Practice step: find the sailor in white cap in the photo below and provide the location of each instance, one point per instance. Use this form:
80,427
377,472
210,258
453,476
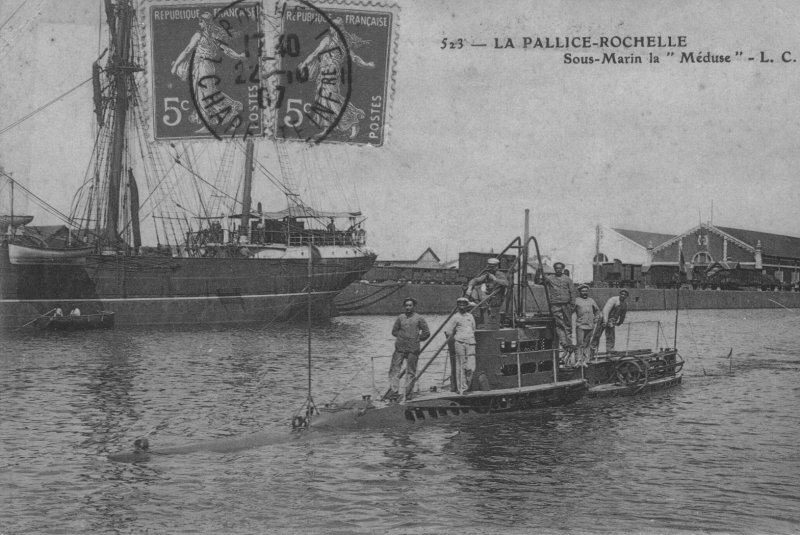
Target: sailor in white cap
461,331
587,318
494,284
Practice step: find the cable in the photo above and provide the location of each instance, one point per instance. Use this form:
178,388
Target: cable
38,200
43,107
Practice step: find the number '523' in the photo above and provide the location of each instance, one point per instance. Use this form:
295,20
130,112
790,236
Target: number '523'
455,44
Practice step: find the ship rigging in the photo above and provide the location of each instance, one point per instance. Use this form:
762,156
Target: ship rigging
164,233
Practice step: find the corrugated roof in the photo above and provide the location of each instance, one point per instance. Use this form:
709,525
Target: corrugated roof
771,244
645,239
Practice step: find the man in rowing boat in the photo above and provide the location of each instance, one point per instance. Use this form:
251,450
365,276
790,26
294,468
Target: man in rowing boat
613,314
409,330
495,284
461,330
562,301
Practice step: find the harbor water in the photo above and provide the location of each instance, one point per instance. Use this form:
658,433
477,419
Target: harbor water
718,454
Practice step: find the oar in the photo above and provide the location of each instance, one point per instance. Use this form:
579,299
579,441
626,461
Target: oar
36,318
414,381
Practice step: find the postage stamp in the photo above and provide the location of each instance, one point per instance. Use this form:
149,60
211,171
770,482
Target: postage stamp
333,78
293,69
205,68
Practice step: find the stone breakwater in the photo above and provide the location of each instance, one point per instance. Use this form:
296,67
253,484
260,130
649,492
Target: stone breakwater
386,298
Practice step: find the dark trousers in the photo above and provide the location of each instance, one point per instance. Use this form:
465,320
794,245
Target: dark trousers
561,313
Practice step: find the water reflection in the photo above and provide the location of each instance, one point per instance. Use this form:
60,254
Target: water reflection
402,456
112,367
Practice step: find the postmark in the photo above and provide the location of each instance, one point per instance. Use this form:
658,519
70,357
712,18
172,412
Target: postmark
335,71
205,64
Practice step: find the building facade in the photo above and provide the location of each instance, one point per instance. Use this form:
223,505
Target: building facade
713,257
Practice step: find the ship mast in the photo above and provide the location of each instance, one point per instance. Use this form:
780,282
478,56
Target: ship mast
523,269
121,69
596,263
244,230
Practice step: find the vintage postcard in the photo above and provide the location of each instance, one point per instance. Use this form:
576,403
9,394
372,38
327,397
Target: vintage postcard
399,266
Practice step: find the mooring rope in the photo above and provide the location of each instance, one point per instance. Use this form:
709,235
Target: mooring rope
379,290
345,309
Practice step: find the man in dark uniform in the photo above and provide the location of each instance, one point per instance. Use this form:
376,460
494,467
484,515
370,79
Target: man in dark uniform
562,301
409,330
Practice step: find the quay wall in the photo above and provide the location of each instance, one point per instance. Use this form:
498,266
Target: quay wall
387,298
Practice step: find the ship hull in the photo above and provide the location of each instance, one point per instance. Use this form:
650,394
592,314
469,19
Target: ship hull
444,407
629,373
175,292
356,415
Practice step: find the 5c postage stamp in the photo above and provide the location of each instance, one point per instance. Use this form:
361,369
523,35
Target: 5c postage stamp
205,69
335,72
295,70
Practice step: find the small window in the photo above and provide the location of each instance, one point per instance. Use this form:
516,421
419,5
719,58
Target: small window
536,344
525,367
600,257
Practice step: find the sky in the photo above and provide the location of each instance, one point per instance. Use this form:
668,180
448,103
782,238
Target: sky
477,135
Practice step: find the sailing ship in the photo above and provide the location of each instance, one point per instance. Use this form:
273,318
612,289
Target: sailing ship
220,258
